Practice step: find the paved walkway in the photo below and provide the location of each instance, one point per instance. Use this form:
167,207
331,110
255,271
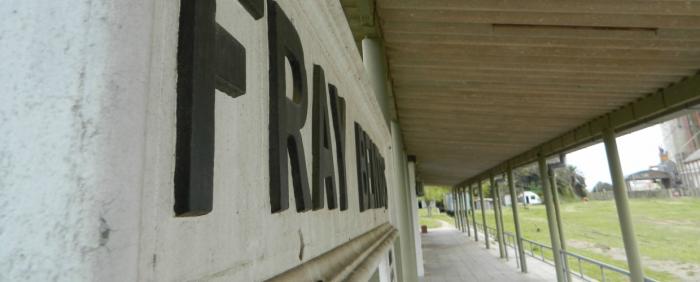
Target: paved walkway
450,255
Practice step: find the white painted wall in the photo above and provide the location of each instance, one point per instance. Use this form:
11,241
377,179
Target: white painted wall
87,154
75,85
385,269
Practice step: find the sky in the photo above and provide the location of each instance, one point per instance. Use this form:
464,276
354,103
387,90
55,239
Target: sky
638,151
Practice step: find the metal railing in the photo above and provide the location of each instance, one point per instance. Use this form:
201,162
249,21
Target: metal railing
537,246
509,240
600,265
538,250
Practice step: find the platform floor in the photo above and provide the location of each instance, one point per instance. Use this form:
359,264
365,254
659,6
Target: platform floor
450,255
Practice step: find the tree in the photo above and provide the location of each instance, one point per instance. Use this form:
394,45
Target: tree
569,180
434,194
602,186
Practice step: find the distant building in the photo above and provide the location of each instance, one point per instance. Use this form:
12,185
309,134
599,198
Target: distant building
681,138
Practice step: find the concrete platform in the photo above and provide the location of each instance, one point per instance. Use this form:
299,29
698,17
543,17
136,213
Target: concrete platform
450,255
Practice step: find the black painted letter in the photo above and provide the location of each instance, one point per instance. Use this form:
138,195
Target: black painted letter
208,57
338,112
323,174
287,116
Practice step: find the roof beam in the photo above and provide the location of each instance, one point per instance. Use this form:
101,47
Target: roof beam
580,19
678,96
670,8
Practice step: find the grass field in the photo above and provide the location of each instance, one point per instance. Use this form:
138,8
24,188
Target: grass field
433,221
667,232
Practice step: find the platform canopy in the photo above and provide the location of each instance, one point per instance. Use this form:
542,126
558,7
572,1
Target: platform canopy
478,83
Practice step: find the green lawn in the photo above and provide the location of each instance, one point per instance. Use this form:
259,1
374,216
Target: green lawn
433,221
668,233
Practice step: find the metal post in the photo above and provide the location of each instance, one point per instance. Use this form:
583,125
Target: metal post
551,219
499,230
560,226
461,211
516,220
465,211
500,220
623,211
461,208
455,199
454,207
483,213
471,206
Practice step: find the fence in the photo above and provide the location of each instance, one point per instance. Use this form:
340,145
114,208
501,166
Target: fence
545,254
660,193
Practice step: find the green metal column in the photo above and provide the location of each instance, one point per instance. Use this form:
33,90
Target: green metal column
483,213
551,219
500,219
465,211
516,220
458,212
499,230
623,211
454,207
471,201
461,210
560,226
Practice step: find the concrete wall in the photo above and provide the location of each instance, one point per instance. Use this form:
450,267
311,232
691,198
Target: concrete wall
87,157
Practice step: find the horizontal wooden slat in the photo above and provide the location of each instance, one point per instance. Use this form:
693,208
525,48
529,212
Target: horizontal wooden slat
541,18
671,8
478,82
456,50
495,39
460,84
497,65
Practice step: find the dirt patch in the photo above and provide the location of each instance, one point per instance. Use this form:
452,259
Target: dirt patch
683,271
674,222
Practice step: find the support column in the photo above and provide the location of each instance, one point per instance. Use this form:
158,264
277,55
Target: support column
623,211
458,210
551,219
560,226
454,207
461,211
500,219
374,60
405,254
471,207
414,208
499,228
483,213
516,220
466,211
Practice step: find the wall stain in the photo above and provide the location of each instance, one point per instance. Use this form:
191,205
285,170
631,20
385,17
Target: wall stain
301,245
104,232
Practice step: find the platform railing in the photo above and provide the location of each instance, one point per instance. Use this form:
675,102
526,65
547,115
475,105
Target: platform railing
600,265
539,250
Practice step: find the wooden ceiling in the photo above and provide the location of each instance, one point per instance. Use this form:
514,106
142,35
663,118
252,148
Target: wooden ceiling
478,82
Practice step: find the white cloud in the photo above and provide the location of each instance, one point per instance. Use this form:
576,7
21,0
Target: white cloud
638,151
